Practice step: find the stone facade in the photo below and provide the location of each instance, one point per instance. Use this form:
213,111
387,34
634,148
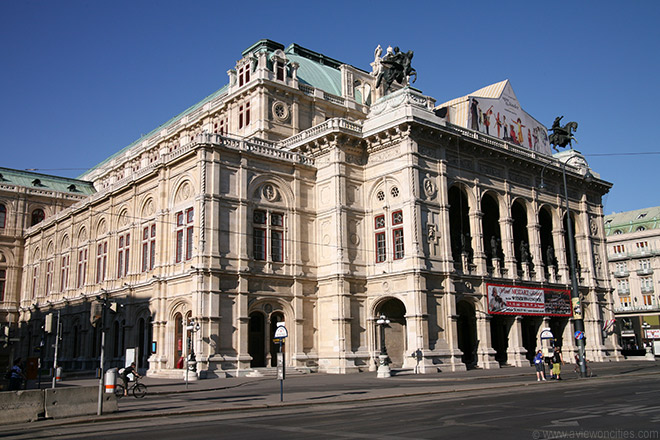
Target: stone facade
299,194
634,257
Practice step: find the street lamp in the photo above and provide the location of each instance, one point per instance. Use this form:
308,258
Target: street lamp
191,361
383,364
575,293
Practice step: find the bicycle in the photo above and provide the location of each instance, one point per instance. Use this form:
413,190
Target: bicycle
578,373
138,389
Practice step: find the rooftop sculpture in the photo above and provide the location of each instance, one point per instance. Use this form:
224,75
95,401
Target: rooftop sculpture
394,66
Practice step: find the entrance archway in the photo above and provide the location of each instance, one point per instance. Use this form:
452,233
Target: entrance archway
256,340
499,330
178,341
395,333
467,333
530,329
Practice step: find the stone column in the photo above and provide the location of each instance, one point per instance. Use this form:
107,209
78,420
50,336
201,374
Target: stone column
485,352
506,231
476,217
516,351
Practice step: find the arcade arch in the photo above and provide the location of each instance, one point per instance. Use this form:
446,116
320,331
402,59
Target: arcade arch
395,332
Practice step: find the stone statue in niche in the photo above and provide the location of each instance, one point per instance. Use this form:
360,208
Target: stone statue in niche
550,256
524,252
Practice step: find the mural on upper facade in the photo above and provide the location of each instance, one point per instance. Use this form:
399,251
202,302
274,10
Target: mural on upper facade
496,111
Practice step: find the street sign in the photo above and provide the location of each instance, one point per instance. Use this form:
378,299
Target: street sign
547,334
280,332
579,335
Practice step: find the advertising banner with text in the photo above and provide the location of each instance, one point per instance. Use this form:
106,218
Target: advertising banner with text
515,300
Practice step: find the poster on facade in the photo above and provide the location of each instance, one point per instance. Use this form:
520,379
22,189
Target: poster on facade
514,300
504,118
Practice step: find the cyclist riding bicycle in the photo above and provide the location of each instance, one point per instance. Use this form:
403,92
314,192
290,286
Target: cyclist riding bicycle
124,376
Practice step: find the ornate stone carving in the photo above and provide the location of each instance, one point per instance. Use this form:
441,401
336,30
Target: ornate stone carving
430,188
593,225
280,111
269,192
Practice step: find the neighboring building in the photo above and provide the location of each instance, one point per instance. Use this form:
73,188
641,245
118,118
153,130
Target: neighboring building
301,193
26,199
633,250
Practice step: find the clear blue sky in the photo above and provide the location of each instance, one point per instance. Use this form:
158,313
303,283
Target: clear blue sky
80,80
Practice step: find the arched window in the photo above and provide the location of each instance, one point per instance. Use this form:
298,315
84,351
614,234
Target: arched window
38,216
3,216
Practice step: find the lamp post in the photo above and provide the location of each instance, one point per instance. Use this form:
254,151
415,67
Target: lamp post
575,293
191,361
383,364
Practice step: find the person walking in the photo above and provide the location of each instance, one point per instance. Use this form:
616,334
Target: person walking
17,376
538,363
557,361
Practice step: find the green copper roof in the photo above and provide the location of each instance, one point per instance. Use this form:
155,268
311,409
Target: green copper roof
632,221
316,70
46,182
159,128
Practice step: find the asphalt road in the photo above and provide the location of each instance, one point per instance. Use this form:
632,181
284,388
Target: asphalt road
622,407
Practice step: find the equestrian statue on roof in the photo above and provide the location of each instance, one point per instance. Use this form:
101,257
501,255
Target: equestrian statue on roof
394,66
562,136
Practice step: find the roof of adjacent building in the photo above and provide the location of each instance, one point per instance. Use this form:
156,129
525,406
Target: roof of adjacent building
30,179
632,221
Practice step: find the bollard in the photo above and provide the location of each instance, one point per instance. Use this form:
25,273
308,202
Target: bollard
110,380
58,374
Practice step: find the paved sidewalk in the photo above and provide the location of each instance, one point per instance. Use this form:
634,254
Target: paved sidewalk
168,397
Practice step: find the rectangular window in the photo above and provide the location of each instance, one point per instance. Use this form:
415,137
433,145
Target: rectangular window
277,246
619,249
624,301
244,115
148,247
152,247
189,242
179,246
49,276
184,235
646,284
123,255
268,230
101,261
397,235
145,249
3,279
379,222
644,264
397,218
64,273
648,299
244,75
259,243
35,277
276,219
642,245
280,71
259,217
381,248
3,216
82,267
